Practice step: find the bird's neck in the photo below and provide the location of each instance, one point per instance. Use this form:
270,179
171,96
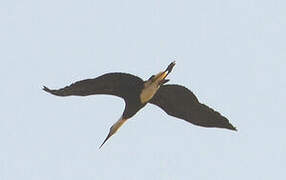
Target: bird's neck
148,92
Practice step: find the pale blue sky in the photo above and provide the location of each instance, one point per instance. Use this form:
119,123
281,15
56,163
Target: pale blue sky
230,53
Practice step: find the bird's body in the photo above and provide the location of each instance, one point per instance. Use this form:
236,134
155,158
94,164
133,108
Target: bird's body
175,100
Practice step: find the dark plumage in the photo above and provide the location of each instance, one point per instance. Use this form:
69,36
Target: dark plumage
180,102
126,86
175,100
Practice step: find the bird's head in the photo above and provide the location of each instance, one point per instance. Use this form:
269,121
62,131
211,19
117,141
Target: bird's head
160,78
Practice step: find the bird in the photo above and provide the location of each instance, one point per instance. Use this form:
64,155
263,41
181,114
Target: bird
176,100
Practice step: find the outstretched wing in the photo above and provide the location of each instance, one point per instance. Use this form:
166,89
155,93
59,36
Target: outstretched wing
118,84
180,102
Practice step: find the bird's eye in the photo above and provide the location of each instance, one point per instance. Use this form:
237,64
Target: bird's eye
151,77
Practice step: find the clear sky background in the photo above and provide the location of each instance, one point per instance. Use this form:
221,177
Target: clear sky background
230,53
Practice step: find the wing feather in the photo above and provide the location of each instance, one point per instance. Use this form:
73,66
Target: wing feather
180,102
119,84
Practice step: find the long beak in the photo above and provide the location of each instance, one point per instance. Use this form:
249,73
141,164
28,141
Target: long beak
108,136
114,128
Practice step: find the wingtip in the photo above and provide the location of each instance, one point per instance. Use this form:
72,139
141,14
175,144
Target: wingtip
45,88
231,127
51,91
